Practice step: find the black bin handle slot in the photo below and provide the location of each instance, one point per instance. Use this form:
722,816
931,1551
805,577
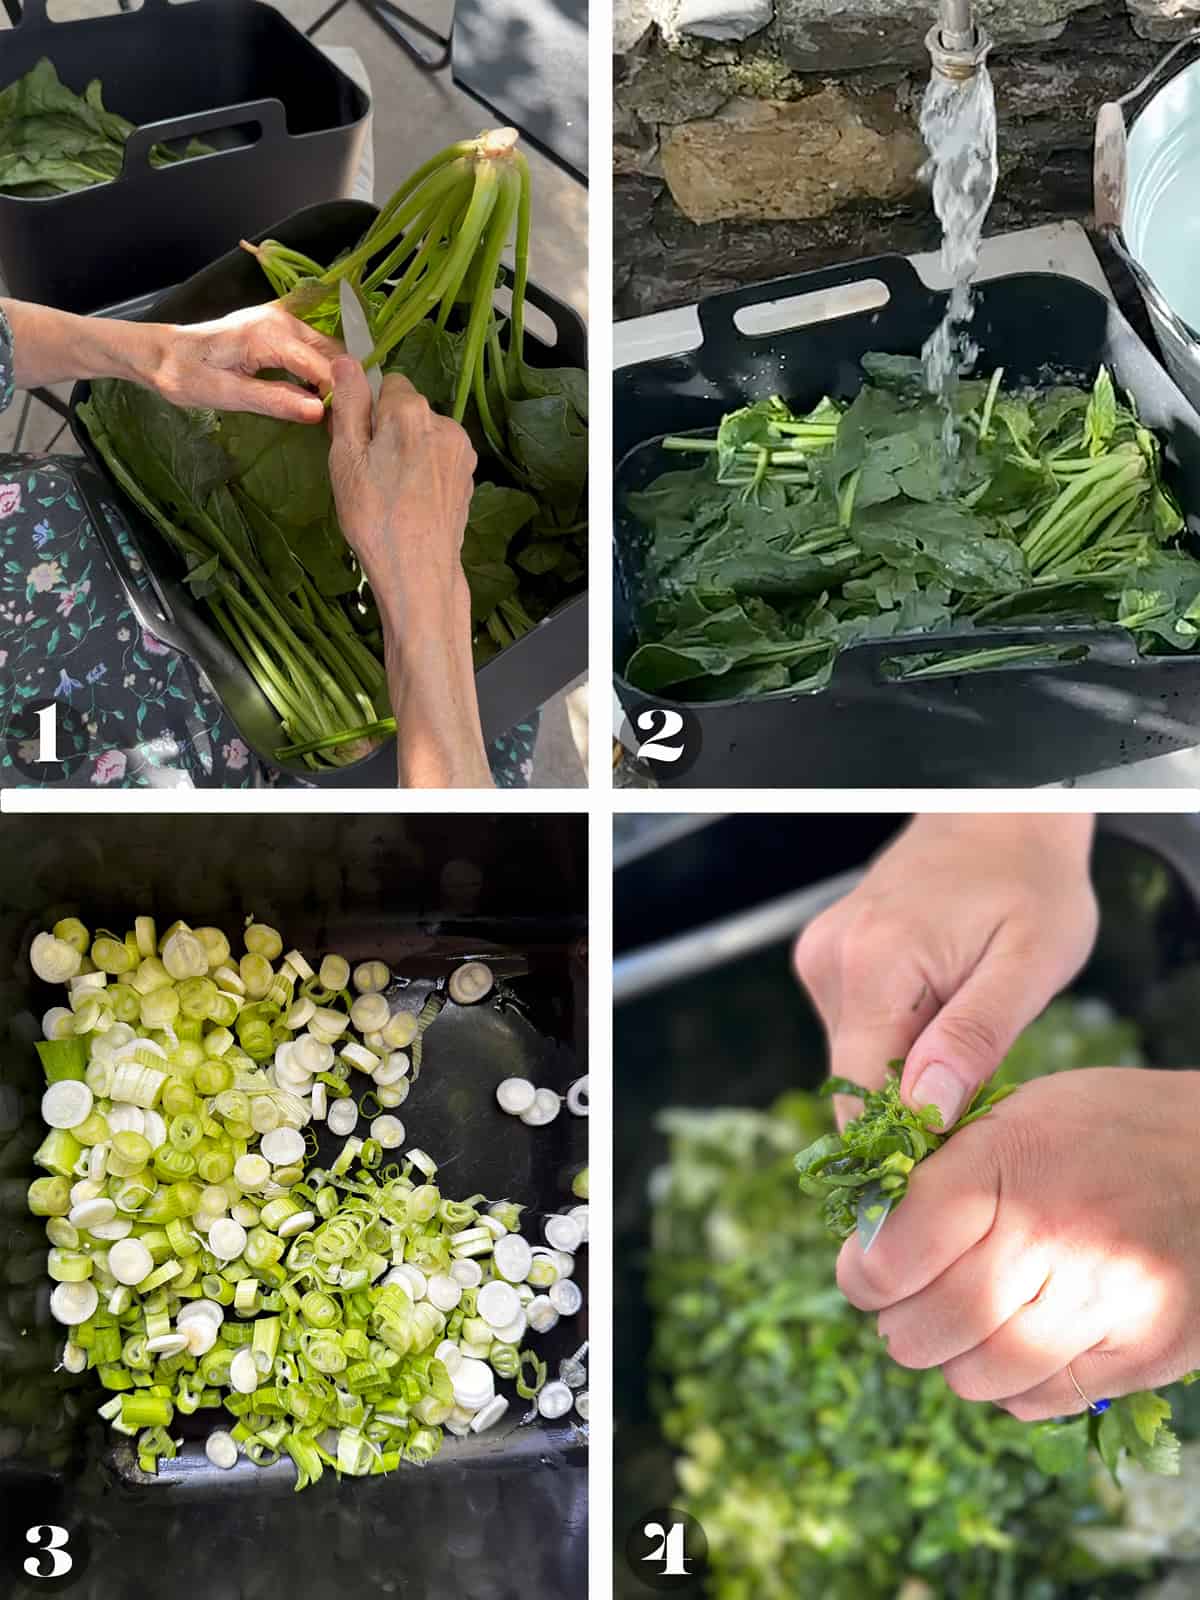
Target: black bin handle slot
870,663
268,115
906,294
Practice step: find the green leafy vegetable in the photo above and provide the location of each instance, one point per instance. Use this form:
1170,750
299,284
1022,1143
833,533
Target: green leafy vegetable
882,1145
815,1464
1053,511
246,501
53,141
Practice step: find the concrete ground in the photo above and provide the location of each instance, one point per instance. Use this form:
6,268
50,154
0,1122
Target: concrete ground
415,115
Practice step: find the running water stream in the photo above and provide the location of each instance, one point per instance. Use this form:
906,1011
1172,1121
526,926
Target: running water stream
958,124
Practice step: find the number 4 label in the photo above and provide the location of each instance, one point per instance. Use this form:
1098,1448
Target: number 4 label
52,1545
669,1550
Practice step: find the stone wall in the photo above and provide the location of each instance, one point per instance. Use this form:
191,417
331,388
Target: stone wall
754,138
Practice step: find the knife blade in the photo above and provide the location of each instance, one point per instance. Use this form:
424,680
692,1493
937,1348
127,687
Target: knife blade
871,1212
356,335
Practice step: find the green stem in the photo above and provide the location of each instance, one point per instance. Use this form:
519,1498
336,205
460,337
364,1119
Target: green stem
499,223
429,229
516,338
384,727
453,269
985,421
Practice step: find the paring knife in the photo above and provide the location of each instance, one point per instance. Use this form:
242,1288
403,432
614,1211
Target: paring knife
872,1212
356,334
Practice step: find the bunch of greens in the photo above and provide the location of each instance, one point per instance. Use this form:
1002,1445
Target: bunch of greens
799,535
814,1463
246,500
53,141
882,1146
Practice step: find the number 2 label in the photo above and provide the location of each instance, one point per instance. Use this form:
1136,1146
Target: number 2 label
656,748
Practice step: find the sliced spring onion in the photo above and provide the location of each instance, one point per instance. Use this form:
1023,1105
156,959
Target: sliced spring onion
177,1097
129,1261
370,977
566,1297
577,1097
400,1031
515,1095
221,1449
554,1401
370,1013
512,1258
67,1103
226,1239
53,960
283,1147
443,1292
342,1117
474,1384
470,983
388,1131
73,1303
243,1372
542,1314
546,1106
489,1415
497,1303
563,1233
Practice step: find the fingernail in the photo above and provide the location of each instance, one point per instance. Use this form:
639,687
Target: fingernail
938,1086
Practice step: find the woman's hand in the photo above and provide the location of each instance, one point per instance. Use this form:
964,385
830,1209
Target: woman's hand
205,364
215,364
960,934
403,490
1058,1228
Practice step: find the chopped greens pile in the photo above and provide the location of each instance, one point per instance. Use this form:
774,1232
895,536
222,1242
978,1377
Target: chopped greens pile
882,1145
343,1312
815,1464
798,535
53,141
246,502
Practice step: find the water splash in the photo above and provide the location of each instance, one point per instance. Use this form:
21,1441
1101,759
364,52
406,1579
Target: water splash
958,124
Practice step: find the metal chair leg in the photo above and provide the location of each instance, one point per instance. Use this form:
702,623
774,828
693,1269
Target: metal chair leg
390,18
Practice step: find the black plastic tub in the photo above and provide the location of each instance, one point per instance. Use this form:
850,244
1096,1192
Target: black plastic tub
866,728
179,68
744,1033
493,1517
510,686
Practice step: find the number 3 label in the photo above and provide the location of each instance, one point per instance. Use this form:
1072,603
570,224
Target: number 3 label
52,1542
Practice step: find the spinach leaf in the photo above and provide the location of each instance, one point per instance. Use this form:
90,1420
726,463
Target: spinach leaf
53,141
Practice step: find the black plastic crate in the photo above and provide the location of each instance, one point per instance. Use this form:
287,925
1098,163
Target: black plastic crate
1012,725
178,68
422,893
510,686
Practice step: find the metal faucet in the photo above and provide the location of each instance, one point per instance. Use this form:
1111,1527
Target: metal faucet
957,45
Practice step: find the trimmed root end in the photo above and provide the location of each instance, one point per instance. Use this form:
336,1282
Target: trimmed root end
498,142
